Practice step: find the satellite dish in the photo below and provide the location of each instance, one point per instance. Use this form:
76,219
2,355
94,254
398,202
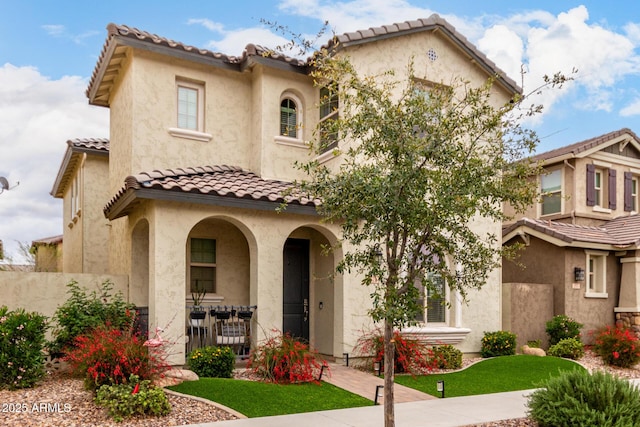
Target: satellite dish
4,184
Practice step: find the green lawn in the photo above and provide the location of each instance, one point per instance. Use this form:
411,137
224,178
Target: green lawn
257,399
499,374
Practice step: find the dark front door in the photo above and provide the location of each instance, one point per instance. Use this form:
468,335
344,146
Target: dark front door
296,288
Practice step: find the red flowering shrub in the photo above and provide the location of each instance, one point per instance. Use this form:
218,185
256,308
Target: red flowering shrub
109,355
410,356
617,346
284,359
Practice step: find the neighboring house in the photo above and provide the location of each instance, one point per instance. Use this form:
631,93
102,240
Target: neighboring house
580,239
201,150
47,254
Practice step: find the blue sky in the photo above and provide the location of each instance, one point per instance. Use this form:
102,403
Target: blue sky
48,51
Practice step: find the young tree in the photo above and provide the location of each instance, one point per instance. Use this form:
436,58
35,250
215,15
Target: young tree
417,167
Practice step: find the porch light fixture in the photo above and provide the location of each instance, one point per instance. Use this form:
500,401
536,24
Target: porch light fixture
440,387
578,274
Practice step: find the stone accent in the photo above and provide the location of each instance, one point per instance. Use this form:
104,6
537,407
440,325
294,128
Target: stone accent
629,320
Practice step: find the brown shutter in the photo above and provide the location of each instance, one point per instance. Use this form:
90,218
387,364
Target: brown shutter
628,201
612,189
591,185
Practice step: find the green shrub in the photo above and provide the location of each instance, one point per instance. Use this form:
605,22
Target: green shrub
617,346
84,311
499,343
561,327
577,398
21,348
134,398
447,357
214,362
534,343
569,348
284,359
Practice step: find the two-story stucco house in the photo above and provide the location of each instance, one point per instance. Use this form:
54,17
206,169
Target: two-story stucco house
581,240
201,149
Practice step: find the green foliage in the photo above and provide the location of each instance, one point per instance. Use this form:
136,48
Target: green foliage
617,346
133,398
495,375
561,327
410,354
447,357
213,362
534,343
110,355
581,399
499,343
569,348
83,311
21,348
282,358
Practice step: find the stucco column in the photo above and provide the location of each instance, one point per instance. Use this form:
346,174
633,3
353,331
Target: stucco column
167,264
266,282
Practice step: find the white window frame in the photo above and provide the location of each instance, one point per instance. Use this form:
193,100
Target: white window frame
198,133
333,114
596,274
203,264
296,141
553,193
424,300
634,193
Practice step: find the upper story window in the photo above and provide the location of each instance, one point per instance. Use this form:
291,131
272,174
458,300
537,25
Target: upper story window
288,118
630,192
328,116
190,112
601,187
551,188
202,265
596,274
432,298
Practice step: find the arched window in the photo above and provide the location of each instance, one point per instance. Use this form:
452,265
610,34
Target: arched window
288,118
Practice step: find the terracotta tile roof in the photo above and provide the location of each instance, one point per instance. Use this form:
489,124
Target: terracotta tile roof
110,58
54,240
620,233
75,148
223,185
582,146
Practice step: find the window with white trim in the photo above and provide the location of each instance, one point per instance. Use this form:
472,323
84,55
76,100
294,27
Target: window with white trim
202,265
630,192
432,298
551,189
190,106
598,186
596,274
328,116
288,118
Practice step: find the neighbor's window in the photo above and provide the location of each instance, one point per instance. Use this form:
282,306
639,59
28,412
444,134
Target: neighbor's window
598,186
328,116
596,274
288,118
434,303
551,186
634,194
630,192
203,265
190,106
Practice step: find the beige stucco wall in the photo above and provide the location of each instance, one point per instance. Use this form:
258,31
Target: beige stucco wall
44,292
526,309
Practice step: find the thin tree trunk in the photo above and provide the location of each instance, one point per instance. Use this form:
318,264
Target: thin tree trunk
389,366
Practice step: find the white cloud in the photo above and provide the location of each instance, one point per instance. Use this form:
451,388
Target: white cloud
632,109
37,117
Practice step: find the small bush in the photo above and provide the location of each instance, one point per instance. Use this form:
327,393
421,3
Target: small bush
447,357
577,398
561,327
617,346
109,355
410,354
499,343
569,348
214,362
134,398
22,343
534,343
284,359
83,311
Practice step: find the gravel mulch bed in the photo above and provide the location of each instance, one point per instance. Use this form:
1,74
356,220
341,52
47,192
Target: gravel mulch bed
62,401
